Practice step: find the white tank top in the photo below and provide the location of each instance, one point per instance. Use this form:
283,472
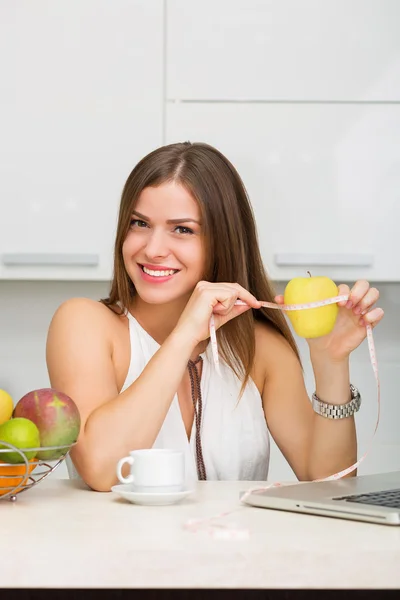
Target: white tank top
234,435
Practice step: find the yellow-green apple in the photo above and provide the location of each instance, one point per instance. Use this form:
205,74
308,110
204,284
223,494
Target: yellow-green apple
311,322
21,433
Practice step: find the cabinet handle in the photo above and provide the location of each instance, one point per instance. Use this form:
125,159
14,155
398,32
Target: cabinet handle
50,260
323,260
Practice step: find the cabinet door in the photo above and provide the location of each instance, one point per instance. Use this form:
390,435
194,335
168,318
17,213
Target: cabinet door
323,180
283,50
81,101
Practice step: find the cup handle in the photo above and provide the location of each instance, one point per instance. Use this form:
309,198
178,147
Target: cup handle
130,478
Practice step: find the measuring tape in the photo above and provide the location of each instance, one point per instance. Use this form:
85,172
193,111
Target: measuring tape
232,532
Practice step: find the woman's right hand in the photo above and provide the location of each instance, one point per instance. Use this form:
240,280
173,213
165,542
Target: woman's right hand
216,299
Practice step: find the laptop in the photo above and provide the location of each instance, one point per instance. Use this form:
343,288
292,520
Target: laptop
371,498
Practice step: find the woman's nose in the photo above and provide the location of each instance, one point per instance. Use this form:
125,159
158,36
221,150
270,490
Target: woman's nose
157,244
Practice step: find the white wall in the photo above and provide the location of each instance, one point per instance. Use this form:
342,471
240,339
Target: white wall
26,309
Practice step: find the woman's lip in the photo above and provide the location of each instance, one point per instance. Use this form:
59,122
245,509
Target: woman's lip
157,268
155,279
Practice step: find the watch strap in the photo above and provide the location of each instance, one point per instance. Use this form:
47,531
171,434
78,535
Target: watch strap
338,411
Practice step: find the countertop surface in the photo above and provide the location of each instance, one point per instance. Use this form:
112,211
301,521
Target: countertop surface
60,534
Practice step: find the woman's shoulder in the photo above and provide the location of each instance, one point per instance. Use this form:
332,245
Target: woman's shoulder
84,315
85,308
268,338
86,336
273,350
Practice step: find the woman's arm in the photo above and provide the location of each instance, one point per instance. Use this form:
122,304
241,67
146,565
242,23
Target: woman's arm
79,360
313,445
332,385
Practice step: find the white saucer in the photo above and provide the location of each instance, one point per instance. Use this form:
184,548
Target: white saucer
149,498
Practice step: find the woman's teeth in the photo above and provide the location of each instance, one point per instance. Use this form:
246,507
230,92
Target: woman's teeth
159,273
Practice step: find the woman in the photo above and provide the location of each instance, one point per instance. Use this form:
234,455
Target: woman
138,364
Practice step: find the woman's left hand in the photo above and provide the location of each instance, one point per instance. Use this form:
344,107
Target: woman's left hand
350,327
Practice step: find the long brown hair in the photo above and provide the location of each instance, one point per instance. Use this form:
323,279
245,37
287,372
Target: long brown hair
230,235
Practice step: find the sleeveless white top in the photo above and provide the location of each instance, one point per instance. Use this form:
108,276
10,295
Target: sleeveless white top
234,435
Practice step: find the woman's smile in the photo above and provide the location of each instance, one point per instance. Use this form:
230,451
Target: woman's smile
157,275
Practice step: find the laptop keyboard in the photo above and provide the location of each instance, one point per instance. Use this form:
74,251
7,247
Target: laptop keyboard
386,498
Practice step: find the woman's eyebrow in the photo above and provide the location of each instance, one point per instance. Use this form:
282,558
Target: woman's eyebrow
170,221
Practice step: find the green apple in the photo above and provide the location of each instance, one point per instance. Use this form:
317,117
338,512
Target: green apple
311,322
22,434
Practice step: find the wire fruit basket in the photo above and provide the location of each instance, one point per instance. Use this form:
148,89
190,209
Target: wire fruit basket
17,478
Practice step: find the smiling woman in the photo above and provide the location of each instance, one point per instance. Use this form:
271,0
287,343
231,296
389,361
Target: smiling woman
138,363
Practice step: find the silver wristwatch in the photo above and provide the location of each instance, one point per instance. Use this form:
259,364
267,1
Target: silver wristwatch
338,411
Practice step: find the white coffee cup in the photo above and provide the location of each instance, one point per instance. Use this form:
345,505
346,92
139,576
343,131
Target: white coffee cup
154,470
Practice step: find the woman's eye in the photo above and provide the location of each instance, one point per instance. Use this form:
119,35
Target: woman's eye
138,223
181,229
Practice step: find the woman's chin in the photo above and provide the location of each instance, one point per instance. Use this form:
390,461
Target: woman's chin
155,296
161,296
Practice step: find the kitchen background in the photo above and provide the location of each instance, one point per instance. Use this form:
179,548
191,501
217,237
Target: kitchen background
303,97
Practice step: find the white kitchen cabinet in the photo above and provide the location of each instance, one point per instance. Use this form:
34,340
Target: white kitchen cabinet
323,180
283,50
81,101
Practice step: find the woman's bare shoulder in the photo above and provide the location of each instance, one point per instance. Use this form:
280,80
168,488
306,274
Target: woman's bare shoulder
83,307
84,314
80,351
268,339
83,320
273,349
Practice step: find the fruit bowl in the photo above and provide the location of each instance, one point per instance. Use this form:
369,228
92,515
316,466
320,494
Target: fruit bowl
17,478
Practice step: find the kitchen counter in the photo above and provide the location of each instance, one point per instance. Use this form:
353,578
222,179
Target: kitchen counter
59,534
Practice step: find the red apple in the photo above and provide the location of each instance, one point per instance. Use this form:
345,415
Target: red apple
56,416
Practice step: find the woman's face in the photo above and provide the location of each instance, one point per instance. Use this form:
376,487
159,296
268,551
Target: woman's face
163,252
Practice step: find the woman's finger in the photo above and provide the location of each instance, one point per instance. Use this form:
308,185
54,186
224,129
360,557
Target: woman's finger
372,317
358,291
343,290
225,306
246,296
370,298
